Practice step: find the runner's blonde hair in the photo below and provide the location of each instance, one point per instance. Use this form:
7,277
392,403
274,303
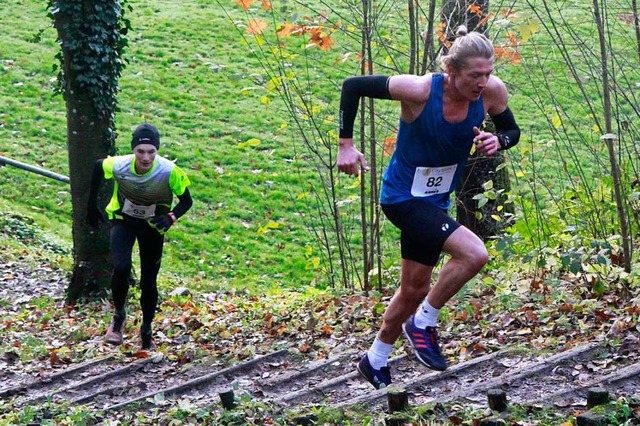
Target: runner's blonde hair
467,45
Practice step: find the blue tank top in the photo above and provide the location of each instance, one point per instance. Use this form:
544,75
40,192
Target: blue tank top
431,153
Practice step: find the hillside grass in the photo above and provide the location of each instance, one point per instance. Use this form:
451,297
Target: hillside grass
195,73
202,92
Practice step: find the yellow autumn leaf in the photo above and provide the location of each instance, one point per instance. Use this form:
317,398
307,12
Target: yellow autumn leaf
308,251
266,228
274,84
253,142
496,218
265,100
259,39
473,149
273,225
526,31
556,121
312,263
315,109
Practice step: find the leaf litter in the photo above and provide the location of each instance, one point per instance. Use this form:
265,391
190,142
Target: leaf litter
326,333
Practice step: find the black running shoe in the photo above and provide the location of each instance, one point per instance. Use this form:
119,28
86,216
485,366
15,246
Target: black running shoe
425,345
146,342
378,378
114,332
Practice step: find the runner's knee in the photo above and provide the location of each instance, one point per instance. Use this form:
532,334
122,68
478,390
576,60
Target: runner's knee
121,271
413,288
476,257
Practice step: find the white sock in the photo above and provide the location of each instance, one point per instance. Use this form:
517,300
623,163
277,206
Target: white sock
426,316
379,353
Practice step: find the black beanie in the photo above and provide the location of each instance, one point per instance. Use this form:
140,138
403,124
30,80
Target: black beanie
146,133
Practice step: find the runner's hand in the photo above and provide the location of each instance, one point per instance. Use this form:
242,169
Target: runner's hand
350,160
162,222
487,143
94,216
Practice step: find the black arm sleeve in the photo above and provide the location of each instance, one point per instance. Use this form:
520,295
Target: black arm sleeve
353,88
507,129
96,179
184,204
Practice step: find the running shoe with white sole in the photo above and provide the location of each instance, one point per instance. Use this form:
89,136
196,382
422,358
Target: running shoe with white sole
378,378
425,344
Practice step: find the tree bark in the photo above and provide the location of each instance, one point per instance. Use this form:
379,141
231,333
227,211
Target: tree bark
482,220
91,249
497,399
398,399
90,134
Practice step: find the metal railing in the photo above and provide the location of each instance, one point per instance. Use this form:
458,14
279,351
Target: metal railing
33,169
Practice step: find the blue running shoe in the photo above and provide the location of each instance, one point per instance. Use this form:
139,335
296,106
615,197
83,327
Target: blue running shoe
378,378
425,345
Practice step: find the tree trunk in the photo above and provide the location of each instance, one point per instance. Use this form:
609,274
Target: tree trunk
89,34
91,249
471,13
453,15
490,219
494,216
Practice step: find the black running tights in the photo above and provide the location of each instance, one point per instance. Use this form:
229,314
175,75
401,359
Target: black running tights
124,234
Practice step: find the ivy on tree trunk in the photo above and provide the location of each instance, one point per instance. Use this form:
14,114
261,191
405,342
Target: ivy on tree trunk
91,34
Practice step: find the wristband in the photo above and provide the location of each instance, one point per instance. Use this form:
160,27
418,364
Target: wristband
172,216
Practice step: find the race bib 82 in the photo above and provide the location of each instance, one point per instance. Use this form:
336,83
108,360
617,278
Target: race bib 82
428,181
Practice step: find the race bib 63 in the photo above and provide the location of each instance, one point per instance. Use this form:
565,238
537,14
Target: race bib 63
140,212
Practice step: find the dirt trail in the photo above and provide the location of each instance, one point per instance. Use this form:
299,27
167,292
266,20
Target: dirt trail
112,384
283,377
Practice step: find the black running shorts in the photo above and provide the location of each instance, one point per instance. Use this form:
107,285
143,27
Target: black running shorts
423,229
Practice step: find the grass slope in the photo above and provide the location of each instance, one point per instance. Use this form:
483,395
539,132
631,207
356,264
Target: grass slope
192,74
189,75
